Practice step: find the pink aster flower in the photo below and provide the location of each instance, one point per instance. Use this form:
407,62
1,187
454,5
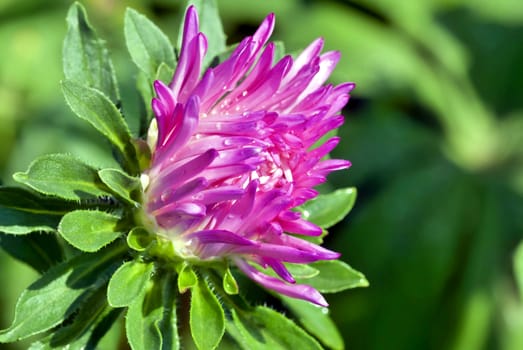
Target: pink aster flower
233,155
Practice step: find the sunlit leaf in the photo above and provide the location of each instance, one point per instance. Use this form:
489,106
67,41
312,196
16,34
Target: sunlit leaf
86,328
264,328
59,292
94,107
328,209
128,282
89,230
122,185
147,44
187,278
151,321
334,276
206,317
85,57
316,321
62,176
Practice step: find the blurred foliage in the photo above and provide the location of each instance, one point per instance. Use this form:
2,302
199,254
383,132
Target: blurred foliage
434,131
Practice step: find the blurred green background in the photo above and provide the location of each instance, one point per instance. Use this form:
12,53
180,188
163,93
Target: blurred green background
434,131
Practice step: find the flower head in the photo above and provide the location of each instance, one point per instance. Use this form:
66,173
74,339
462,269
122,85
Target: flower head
233,155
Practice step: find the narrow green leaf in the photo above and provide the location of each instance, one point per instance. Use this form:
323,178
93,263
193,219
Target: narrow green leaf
186,278
84,329
59,292
40,251
230,286
23,212
147,44
264,328
94,107
128,282
518,267
328,209
211,26
86,59
121,184
151,319
207,318
25,200
62,176
89,230
19,222
334,276
316,321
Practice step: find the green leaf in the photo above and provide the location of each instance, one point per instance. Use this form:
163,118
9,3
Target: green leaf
230,286
40,251
518,267
94,107
89,230
86,59
279,50
264,328
302,270
211,26
59,292
207,318
22,199
316,321
128,282
147,44
328,209
23,212
121,184
19,222
151,319
62,176
85,328
187,278
334,276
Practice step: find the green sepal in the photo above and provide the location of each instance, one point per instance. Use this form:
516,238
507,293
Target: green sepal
94,107
128,282
211,26
139,239
230,286
316,321
62,176
326,210
187,278
263,328
60,292
84,329
89,230
40,251
151,318
122,185
85,57
334,276
147,44
207,319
